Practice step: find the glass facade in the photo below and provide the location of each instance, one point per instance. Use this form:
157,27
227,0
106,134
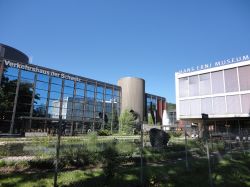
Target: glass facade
154,108
32,98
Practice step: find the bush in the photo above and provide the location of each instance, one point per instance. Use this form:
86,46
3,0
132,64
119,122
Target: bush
79,157
2,163
111,162
42,164
176,134
104,133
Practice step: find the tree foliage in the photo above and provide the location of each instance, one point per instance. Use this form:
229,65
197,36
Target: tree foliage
127,122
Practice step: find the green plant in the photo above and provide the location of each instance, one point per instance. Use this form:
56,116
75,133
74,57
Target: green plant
111,161
127,122
104,132
150,119
2,163
176,134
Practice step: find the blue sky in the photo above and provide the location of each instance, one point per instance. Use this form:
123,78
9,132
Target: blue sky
110,39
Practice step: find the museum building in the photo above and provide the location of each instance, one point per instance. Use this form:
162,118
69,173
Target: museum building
33,98
220,92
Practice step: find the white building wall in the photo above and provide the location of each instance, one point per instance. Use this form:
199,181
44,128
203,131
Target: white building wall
220,92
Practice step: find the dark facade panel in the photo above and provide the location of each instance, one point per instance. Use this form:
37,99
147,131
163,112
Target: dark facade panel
11,53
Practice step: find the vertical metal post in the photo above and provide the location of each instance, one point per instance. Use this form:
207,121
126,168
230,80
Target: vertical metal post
112,110
94,107
1,70
32,101
59,129
85,101
141,151
47,101
15,102
209,166
103,106
186,151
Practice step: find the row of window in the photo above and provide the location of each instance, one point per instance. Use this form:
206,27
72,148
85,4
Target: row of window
43,82
232,104
229,80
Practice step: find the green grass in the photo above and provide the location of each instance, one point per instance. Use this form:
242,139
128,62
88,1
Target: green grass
226,172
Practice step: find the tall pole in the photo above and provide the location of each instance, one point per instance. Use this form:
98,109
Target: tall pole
142,145
57,149
185,131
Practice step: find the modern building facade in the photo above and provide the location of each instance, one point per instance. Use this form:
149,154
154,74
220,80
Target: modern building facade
222,92
33,98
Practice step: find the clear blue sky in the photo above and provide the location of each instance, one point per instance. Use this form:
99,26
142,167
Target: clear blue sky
109,39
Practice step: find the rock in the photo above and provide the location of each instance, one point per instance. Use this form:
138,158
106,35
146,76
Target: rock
158,138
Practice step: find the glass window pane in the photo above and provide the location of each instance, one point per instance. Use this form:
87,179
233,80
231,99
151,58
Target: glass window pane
244,76
245,100
184,108
90,87
56,80
11,71
42,85
117,92
90,94
195,107
42,77
217,82
205,87
41,93
55,88
27,74
183,87
109,91
80,85
55,95
40,101
193,86
69,83
206,106
219,105
80,92
100,89
68,90
233,104
39,111
231,80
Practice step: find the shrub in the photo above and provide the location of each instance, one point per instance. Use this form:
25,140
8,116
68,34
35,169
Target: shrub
42,164
2,163
111,162
175,134
127,122
104,133
79,156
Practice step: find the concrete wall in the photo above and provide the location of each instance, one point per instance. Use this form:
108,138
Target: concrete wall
133,94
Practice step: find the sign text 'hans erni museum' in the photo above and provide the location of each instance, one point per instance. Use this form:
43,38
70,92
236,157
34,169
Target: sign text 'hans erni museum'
222,92
33,98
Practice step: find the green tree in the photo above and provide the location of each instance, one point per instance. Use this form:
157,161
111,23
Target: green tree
127,122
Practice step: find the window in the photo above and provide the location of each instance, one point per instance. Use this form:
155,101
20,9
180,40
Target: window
183,87
206,105
231,80
195,107
233,104
184,108
219,105
193,86
205,85
217,82
244,76
245,100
